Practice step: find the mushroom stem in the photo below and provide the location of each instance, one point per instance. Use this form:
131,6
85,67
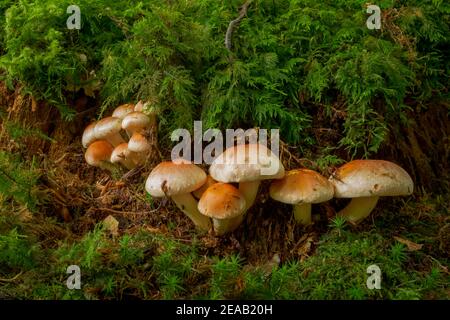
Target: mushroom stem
223,226
106,165
359,208
249,190
137,157
128,163
115,139
187,203
302,213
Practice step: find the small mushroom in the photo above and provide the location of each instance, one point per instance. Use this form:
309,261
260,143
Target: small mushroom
365,181
109,129
225,204
139,148
121,155
136,122
301,188
177,180
98,154
139,106
237,165
122,110
199,192
89,135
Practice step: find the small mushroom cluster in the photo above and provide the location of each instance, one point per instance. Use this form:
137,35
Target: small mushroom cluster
120,139
221,199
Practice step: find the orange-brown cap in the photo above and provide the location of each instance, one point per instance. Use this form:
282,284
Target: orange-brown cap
367,178
246,162
173,178
301,186
135,121
122,110
138,143
222,201
209,182
89,135
98,152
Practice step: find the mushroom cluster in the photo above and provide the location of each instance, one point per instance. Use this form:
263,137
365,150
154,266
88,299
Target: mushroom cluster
220,200
120,139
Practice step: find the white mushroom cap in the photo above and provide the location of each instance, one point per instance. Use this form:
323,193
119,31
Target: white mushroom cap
89,135
302,186
138,143
107,127
122,110
369,178
98,152
222,201
170,178
135,122
246,162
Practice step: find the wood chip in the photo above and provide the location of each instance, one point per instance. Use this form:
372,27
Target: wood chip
412,246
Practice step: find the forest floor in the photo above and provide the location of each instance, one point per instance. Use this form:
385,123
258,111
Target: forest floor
155,253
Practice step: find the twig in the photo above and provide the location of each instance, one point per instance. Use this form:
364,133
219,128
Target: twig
12,279
234,23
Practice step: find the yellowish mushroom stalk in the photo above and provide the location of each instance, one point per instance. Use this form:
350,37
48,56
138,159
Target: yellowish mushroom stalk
302,213
359,208
224,226
249,190
188,204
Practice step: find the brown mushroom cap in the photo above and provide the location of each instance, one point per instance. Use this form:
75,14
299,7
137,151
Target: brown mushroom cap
222,201
122,110
120,153
138,143
107,127
98,152
135,121
302,186
170,178
370,178
246,162
209,182
89,135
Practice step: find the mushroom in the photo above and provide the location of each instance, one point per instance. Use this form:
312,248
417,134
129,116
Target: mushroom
89,135
224,204
98,154
121,155
365,181
109,129
302,187
138,148
177,180
135,122
122,110
245,164
199,192
139,106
